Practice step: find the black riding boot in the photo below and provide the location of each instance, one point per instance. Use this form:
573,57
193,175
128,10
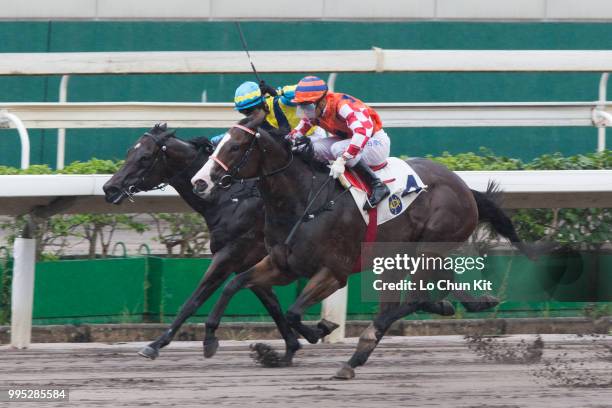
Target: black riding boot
379,189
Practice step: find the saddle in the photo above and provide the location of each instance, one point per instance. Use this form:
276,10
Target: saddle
403,182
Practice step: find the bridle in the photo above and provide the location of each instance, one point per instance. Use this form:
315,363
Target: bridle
230,178
161,152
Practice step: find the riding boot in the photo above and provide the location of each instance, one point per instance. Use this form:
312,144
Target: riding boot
379,189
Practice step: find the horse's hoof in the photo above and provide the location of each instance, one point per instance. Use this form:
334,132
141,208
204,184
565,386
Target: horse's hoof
210,347
149,352
442,308
345,373
447,308
485,302
265,355
327,327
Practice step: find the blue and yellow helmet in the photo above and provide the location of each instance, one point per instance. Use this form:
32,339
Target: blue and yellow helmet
247,95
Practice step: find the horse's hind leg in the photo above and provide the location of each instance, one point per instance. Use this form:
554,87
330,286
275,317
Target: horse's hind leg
475,303
320,286
265,274
220,268
371,336
424,275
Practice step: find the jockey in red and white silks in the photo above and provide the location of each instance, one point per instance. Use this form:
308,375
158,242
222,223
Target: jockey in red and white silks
358,139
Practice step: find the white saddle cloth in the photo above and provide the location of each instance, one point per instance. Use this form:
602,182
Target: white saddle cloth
403,182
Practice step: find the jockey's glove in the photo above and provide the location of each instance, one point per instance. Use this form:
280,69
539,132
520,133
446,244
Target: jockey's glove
266,89
337,167
291,136
301,140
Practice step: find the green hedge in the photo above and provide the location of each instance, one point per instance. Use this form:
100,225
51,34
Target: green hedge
588,228
93,166
485,159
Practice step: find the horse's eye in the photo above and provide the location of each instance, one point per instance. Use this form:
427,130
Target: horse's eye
234,148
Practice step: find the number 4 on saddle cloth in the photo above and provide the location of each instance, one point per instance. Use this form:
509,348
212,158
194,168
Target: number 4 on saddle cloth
404,183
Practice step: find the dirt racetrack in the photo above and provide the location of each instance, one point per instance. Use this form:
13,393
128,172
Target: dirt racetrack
574,371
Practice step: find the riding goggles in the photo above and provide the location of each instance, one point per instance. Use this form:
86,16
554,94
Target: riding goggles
308,111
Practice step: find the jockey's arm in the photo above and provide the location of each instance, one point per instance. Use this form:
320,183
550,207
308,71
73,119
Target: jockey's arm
361,125
300,130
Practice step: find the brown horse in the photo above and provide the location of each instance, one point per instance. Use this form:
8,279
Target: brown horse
325,248
234,217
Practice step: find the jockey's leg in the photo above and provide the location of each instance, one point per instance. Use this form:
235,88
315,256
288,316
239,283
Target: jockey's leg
322,147
379,189
374,153
318,134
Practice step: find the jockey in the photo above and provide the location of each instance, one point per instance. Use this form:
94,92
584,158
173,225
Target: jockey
280,110
357,137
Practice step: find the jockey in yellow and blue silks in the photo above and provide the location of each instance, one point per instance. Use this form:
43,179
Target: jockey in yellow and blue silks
280,111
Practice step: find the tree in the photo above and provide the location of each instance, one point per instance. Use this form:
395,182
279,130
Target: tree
187,231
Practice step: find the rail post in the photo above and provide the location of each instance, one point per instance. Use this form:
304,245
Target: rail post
61,133
5,119
22,296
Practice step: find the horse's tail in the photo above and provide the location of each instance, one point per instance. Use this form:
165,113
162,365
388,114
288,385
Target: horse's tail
489,210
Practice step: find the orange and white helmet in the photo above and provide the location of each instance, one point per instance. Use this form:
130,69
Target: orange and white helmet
310,89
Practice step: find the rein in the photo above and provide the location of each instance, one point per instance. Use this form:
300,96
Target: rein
230,178
309,216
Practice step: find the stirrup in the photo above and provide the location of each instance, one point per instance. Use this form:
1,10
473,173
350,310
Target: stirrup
368,205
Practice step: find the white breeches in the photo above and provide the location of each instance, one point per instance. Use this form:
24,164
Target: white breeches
375,152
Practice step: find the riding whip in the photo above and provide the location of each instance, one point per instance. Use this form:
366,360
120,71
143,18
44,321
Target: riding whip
246,49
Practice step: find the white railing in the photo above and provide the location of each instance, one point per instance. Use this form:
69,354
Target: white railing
8,119
222,115
317,10
375,60
522,189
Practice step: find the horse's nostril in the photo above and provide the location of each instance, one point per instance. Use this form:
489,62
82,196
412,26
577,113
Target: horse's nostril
112,194
200,187
110,190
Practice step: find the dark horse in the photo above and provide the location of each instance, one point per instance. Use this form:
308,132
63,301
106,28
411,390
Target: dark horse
234,217
325,249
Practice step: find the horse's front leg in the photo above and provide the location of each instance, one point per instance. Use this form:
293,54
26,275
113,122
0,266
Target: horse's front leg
218,271
265,354
265,274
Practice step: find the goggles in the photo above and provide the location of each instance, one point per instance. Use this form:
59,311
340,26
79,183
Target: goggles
308,111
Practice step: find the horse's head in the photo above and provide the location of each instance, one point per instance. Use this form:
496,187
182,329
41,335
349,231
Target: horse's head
146,166
238,156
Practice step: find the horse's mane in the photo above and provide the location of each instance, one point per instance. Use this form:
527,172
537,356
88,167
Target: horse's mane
200,142
278,134
305,155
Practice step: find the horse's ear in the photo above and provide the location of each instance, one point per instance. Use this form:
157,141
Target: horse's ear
209,148
163,126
